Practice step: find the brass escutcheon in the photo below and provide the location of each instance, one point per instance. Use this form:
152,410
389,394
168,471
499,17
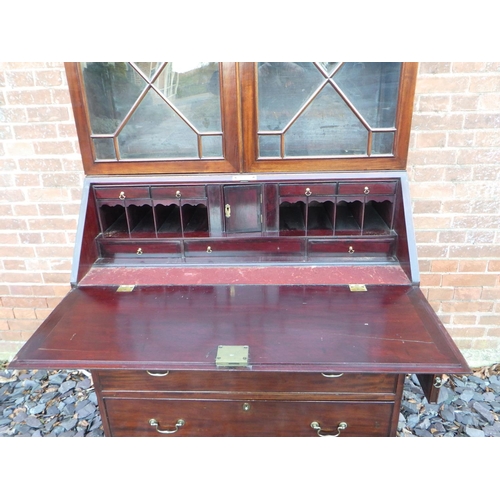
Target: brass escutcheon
366,190
209,249
122,195
351,250
178,194
139,251
308,192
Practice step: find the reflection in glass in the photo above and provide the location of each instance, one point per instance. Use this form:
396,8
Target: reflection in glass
327,127
284,87
373,90
327,109
155,131
329,67
269,145
104,149
382,143
111,89
211,146
194,90
157,110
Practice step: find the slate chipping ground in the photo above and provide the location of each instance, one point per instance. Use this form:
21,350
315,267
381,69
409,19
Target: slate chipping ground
63,403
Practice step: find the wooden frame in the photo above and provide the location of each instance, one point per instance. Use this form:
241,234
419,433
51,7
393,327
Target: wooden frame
403,124
240,140
230,127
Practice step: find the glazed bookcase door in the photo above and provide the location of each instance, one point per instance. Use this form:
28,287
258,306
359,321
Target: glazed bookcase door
146,118
162,117
326,116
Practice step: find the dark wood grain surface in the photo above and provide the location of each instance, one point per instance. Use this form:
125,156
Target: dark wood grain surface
131,417
388,329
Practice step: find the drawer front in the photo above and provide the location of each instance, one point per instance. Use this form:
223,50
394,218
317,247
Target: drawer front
357,188
246,382
352,248
242,247
139,249
160,192
244,417
121,192
307,189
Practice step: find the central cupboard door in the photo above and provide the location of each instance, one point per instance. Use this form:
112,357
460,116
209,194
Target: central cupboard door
242,208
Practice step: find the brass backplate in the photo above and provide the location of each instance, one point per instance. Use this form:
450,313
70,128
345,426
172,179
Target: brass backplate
232,355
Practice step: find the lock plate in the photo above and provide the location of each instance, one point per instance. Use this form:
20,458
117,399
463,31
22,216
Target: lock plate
232,355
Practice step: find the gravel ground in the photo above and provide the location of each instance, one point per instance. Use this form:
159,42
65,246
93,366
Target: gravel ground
63,403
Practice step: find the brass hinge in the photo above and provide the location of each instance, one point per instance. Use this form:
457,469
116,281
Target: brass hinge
357,288
232,355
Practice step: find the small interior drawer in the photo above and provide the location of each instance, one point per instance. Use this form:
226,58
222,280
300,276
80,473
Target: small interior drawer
367,188
161,192
352,247
121,192
139,249
246,417
307,189
213,248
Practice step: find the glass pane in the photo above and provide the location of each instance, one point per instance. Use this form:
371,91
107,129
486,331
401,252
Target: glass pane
104,149
149,68
269,145
326,128
373,89
284,87
193,88
329,67
156,131
111,89
382,143
211,146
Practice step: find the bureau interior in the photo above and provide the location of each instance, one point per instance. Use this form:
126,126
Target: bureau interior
158,222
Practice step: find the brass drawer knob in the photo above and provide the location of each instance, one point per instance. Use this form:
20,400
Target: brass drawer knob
366,190
122,195
209,249
308,192
322,433
154,423
351,250
246,406
178,194
139,251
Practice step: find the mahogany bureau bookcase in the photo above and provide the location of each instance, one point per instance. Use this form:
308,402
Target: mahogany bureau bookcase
245,262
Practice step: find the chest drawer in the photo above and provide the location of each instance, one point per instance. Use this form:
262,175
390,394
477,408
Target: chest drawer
245,417
247,382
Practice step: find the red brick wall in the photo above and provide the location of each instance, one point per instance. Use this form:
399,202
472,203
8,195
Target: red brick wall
40,181
454,169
